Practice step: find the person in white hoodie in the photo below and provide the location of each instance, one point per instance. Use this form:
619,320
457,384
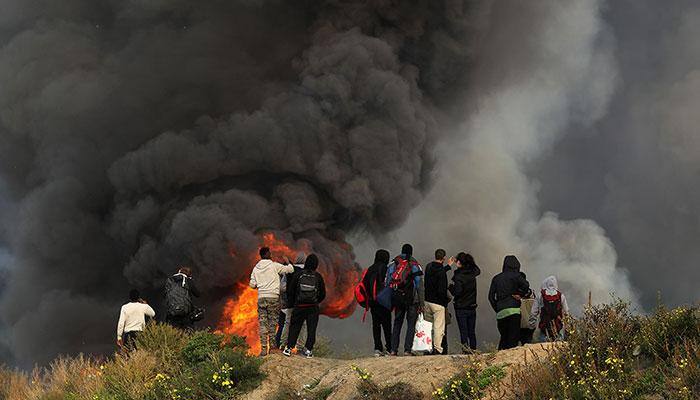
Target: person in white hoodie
132,320
549,310
266,279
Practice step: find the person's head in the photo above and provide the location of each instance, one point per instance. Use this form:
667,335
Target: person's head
407,250
185,271
464,259
511,263
311,262
300,258
381,257
265,253
440,255
134,295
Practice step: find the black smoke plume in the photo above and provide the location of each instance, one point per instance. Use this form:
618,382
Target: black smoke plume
135,136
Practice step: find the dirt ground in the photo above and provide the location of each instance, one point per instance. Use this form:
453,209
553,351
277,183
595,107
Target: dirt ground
425,373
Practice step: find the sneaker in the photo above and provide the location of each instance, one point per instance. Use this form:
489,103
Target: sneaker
262,353
386,353
393,354
287,351
307,353
378,353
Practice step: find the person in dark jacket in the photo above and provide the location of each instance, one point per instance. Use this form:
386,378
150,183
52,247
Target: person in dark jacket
436,296
305,291
463,288
178,316
381,317
507,288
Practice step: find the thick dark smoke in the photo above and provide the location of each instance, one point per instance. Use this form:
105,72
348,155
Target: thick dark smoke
135,136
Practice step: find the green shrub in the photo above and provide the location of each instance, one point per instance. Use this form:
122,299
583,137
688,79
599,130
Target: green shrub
471,383
165,343
667,329
368,389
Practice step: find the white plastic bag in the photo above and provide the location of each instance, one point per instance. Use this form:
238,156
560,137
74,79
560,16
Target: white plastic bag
423,338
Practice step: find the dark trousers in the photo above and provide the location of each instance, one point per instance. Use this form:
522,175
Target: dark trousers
381,320
526,335
299,316
281,319
409,313
129,340
466,321
509,328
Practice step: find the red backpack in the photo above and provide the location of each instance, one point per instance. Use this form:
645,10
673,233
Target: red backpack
362,295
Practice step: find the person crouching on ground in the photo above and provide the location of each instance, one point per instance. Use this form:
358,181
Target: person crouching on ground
550,308
381,317
132,320
463,288
436,297
404,276
266,279
305,291
507,288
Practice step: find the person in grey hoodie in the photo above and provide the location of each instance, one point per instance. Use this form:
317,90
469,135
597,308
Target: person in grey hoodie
266,279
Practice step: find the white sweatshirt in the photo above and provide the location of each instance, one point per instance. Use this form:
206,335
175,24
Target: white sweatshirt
133,318
266,278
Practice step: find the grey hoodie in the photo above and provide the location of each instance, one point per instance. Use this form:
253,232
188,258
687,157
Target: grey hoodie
266,278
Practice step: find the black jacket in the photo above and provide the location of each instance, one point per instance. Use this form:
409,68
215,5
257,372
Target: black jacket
375,273
292,284
506,284
463,287
436,283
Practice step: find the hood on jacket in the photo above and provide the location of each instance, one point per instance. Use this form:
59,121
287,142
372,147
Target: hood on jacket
511,263
550,286
301,257
264,264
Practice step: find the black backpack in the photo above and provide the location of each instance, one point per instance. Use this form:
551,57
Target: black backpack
177,298
307,288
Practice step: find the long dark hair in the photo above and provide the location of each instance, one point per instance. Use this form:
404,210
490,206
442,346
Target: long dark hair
466,260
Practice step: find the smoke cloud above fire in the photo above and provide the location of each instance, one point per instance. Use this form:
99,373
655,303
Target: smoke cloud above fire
136,136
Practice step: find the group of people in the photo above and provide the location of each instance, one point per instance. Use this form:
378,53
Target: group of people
402,286
289,295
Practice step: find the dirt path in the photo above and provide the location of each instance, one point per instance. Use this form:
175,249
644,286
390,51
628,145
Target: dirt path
424,373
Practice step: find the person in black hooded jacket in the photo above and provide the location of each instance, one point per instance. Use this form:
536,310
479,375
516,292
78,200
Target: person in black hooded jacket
463,288
507,288
381,316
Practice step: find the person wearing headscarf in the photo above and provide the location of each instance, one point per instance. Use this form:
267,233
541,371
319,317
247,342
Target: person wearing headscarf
549,309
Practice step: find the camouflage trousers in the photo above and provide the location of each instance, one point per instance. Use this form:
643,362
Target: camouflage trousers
268,312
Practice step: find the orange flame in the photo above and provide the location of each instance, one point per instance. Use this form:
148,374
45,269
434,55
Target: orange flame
240,314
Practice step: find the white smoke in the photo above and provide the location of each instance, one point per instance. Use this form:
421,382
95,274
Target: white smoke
548,65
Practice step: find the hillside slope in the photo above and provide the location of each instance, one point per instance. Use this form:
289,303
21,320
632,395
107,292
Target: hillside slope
424,373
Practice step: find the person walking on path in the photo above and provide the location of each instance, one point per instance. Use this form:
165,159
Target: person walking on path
436,296
405,277
463,289
550,308
132,320
305,291
507,288
179,291
266,279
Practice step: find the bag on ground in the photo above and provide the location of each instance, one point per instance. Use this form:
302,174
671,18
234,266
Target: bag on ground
423,338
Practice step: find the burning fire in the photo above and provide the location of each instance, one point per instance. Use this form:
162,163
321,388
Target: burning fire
240,313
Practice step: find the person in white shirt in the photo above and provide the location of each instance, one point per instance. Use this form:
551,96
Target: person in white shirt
132,319
266,278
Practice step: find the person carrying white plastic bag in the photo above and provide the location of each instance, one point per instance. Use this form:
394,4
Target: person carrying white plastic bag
423,339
